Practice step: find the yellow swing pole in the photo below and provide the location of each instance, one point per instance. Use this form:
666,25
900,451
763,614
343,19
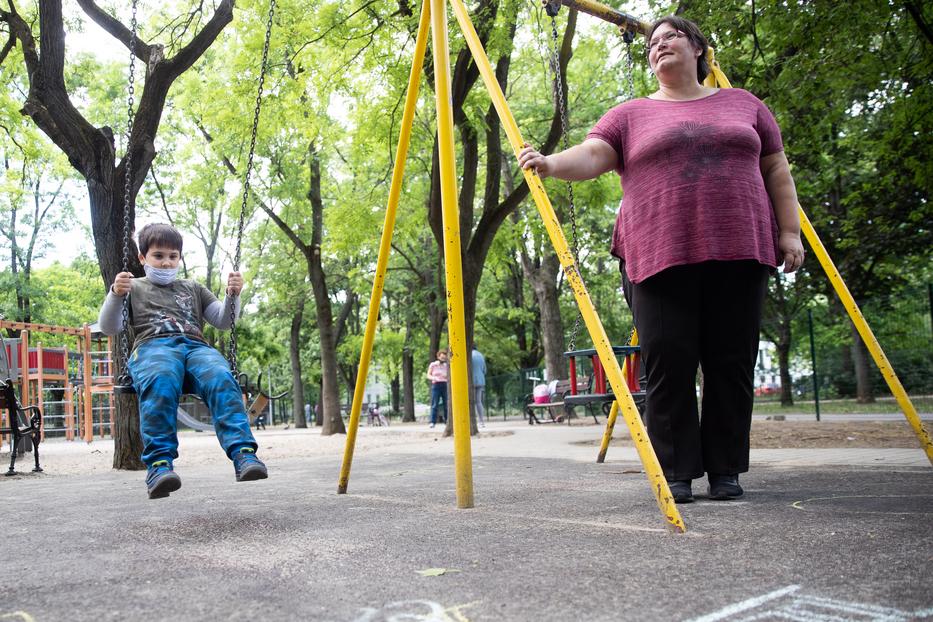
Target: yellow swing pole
601,341
868,336
456,325
385,245
614,412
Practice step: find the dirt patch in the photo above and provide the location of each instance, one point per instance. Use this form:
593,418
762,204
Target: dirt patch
817,435
793,434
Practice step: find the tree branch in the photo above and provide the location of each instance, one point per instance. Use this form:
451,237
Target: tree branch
7,47
116,29
187,56
917,14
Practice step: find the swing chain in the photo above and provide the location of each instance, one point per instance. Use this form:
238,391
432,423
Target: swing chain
232,350
628,37
128,190
565,144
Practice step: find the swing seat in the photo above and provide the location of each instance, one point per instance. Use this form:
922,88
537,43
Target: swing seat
599,391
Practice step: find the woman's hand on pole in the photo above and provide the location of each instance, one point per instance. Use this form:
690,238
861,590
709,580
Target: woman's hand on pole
531,158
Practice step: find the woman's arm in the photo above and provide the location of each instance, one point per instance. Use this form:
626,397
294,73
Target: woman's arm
780,186
589,159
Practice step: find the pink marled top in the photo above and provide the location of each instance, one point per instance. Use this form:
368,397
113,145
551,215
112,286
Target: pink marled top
692,183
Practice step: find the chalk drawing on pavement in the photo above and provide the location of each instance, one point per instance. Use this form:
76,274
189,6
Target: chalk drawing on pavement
790,603
17,616
415,611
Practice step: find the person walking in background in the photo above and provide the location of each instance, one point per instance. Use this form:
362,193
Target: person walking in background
709,210
437,374
478,364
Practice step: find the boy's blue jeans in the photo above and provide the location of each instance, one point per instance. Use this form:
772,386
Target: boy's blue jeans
160,368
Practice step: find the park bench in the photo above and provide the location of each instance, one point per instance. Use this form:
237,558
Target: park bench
25,424
555,408
588,391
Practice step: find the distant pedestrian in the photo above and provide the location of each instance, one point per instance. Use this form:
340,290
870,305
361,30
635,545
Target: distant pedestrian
438,374
376,416
478,363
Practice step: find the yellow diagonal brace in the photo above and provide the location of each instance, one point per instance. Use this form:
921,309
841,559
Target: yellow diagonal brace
648,458
867,335
613,412
456,324
385,245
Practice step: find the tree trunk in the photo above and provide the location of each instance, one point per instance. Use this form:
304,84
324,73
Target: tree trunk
330,389
787,385
395,395
543,279
294,351
864,393
408,381
127,439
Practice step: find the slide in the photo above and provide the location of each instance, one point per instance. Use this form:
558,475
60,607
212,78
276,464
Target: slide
190,422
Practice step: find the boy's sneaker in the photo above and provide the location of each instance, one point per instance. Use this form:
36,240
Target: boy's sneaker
161,479
248,467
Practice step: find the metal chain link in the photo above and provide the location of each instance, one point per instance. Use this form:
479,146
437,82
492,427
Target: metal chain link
128,191
232,349
628,37
565,144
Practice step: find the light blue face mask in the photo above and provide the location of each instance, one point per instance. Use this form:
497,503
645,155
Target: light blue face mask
160,276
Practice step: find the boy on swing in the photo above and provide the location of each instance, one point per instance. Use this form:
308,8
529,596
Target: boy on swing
167,315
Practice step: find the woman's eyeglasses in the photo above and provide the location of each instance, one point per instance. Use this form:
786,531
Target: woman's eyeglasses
667,37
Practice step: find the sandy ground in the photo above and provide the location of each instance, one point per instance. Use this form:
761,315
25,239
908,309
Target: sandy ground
64,458
824,435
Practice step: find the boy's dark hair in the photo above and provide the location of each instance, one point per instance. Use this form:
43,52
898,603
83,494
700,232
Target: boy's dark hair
696,37
158,234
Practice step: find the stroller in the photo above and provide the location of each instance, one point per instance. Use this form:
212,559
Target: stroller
25,422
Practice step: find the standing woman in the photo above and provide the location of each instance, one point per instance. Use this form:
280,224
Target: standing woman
438,373
709,210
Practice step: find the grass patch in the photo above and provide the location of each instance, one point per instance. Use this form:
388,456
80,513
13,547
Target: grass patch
923,404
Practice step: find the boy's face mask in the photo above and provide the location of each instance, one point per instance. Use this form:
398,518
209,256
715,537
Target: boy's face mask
161,264
160,276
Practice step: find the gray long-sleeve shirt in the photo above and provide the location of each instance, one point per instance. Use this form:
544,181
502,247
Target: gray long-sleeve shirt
180,307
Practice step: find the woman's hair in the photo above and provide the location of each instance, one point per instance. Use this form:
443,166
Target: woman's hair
693,34
439,352
157,234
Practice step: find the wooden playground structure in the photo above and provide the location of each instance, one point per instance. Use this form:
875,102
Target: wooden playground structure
73,386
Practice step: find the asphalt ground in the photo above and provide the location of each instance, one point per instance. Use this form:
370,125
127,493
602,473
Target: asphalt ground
550,538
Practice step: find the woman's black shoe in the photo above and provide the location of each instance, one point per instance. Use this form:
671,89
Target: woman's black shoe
724,487
680,490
